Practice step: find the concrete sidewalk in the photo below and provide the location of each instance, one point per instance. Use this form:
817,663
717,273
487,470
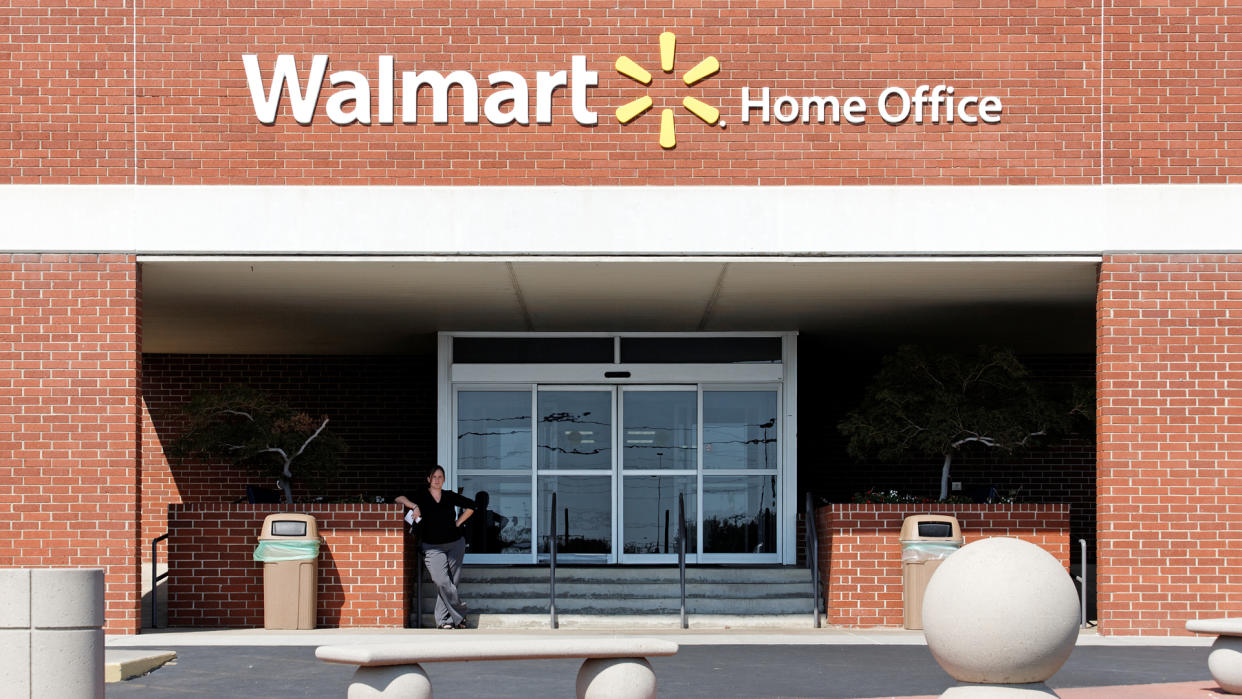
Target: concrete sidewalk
172,638
712,664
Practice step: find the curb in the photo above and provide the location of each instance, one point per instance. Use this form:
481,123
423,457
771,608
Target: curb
121,665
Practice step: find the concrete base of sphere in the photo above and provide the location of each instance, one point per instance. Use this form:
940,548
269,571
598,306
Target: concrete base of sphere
1001,611
616,678
1225,663
390,682
1034,690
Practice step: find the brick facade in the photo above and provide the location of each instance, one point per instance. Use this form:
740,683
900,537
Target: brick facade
382,407
69,385
860,556
214,581
1131,91
1170,441
1061,471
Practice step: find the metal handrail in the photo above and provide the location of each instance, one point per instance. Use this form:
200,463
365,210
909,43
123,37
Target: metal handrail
155,624
418,587
552,564
812,554
681,553
1082,607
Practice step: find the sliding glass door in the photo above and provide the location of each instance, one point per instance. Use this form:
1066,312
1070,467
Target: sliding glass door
620,460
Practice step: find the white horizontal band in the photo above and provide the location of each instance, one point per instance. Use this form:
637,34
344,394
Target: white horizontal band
863,220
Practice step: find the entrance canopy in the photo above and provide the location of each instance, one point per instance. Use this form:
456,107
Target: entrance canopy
395,304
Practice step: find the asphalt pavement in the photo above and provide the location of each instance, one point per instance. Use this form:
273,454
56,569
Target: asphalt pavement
707,671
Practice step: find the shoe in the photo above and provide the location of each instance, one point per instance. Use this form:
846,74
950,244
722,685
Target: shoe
462,625
447,626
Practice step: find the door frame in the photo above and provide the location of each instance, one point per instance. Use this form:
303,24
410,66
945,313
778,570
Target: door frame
451,378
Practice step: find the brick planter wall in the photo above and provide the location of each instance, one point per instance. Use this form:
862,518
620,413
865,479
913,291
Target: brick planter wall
1169,424
860,557
213,580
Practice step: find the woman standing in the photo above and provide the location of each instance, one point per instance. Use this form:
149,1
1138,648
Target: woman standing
442,542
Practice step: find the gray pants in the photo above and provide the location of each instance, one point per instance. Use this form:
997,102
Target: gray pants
444,563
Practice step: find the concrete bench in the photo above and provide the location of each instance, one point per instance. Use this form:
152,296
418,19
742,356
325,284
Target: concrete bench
1225,660
615,668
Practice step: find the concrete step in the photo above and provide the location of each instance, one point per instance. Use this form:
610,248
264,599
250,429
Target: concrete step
657,605
635,574
629,591
625,622
638,607
637,590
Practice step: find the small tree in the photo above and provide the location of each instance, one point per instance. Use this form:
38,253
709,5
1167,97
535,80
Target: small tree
252,430
924,404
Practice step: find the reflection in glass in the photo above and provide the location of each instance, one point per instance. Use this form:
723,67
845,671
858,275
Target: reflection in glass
584,513
575,430
501,524
739,429
493,429
739,514
651,513
661,430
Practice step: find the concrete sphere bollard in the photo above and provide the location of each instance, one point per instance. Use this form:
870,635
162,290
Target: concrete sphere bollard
1001,611
390,682
1225,663
616,678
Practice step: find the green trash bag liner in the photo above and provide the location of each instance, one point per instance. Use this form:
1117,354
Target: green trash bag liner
921,551
277,551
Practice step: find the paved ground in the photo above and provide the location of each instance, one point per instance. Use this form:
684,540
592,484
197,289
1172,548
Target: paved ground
708,671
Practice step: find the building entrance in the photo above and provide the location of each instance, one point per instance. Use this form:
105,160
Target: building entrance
620,457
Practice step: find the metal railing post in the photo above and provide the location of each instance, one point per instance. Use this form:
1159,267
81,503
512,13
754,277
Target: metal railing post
812,555
155,579
552,565
1082,579
681,554
418,587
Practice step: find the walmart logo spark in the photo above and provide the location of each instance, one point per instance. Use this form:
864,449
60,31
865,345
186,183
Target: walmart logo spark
632,110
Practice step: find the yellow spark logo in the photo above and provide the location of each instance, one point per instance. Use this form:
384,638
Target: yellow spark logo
632,110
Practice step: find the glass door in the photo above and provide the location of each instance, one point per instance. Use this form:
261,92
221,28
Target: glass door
659,462
576,459
739,477
618,459
492,451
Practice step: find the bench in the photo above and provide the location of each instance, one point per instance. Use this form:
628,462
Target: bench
615,668
1225,660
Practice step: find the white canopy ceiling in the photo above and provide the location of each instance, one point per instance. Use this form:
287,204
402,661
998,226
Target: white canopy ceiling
347,305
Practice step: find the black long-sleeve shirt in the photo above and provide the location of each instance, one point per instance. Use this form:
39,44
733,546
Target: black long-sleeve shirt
439,523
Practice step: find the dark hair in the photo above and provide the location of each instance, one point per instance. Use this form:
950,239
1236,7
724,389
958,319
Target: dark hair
432,471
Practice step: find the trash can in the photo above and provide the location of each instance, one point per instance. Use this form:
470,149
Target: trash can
289,550
926,540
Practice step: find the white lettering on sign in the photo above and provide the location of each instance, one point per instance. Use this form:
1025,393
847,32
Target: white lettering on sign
507,99
507,103
936,105
932,105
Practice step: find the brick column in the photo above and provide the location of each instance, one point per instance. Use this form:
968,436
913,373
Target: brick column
69,364
1169,433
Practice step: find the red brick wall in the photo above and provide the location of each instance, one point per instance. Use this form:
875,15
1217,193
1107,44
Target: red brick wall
1164,71
860,556
382,407
1170,441
214,581
1172,103
69,381
196,122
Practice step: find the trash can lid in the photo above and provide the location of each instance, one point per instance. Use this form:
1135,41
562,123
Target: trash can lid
289,526
931,528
